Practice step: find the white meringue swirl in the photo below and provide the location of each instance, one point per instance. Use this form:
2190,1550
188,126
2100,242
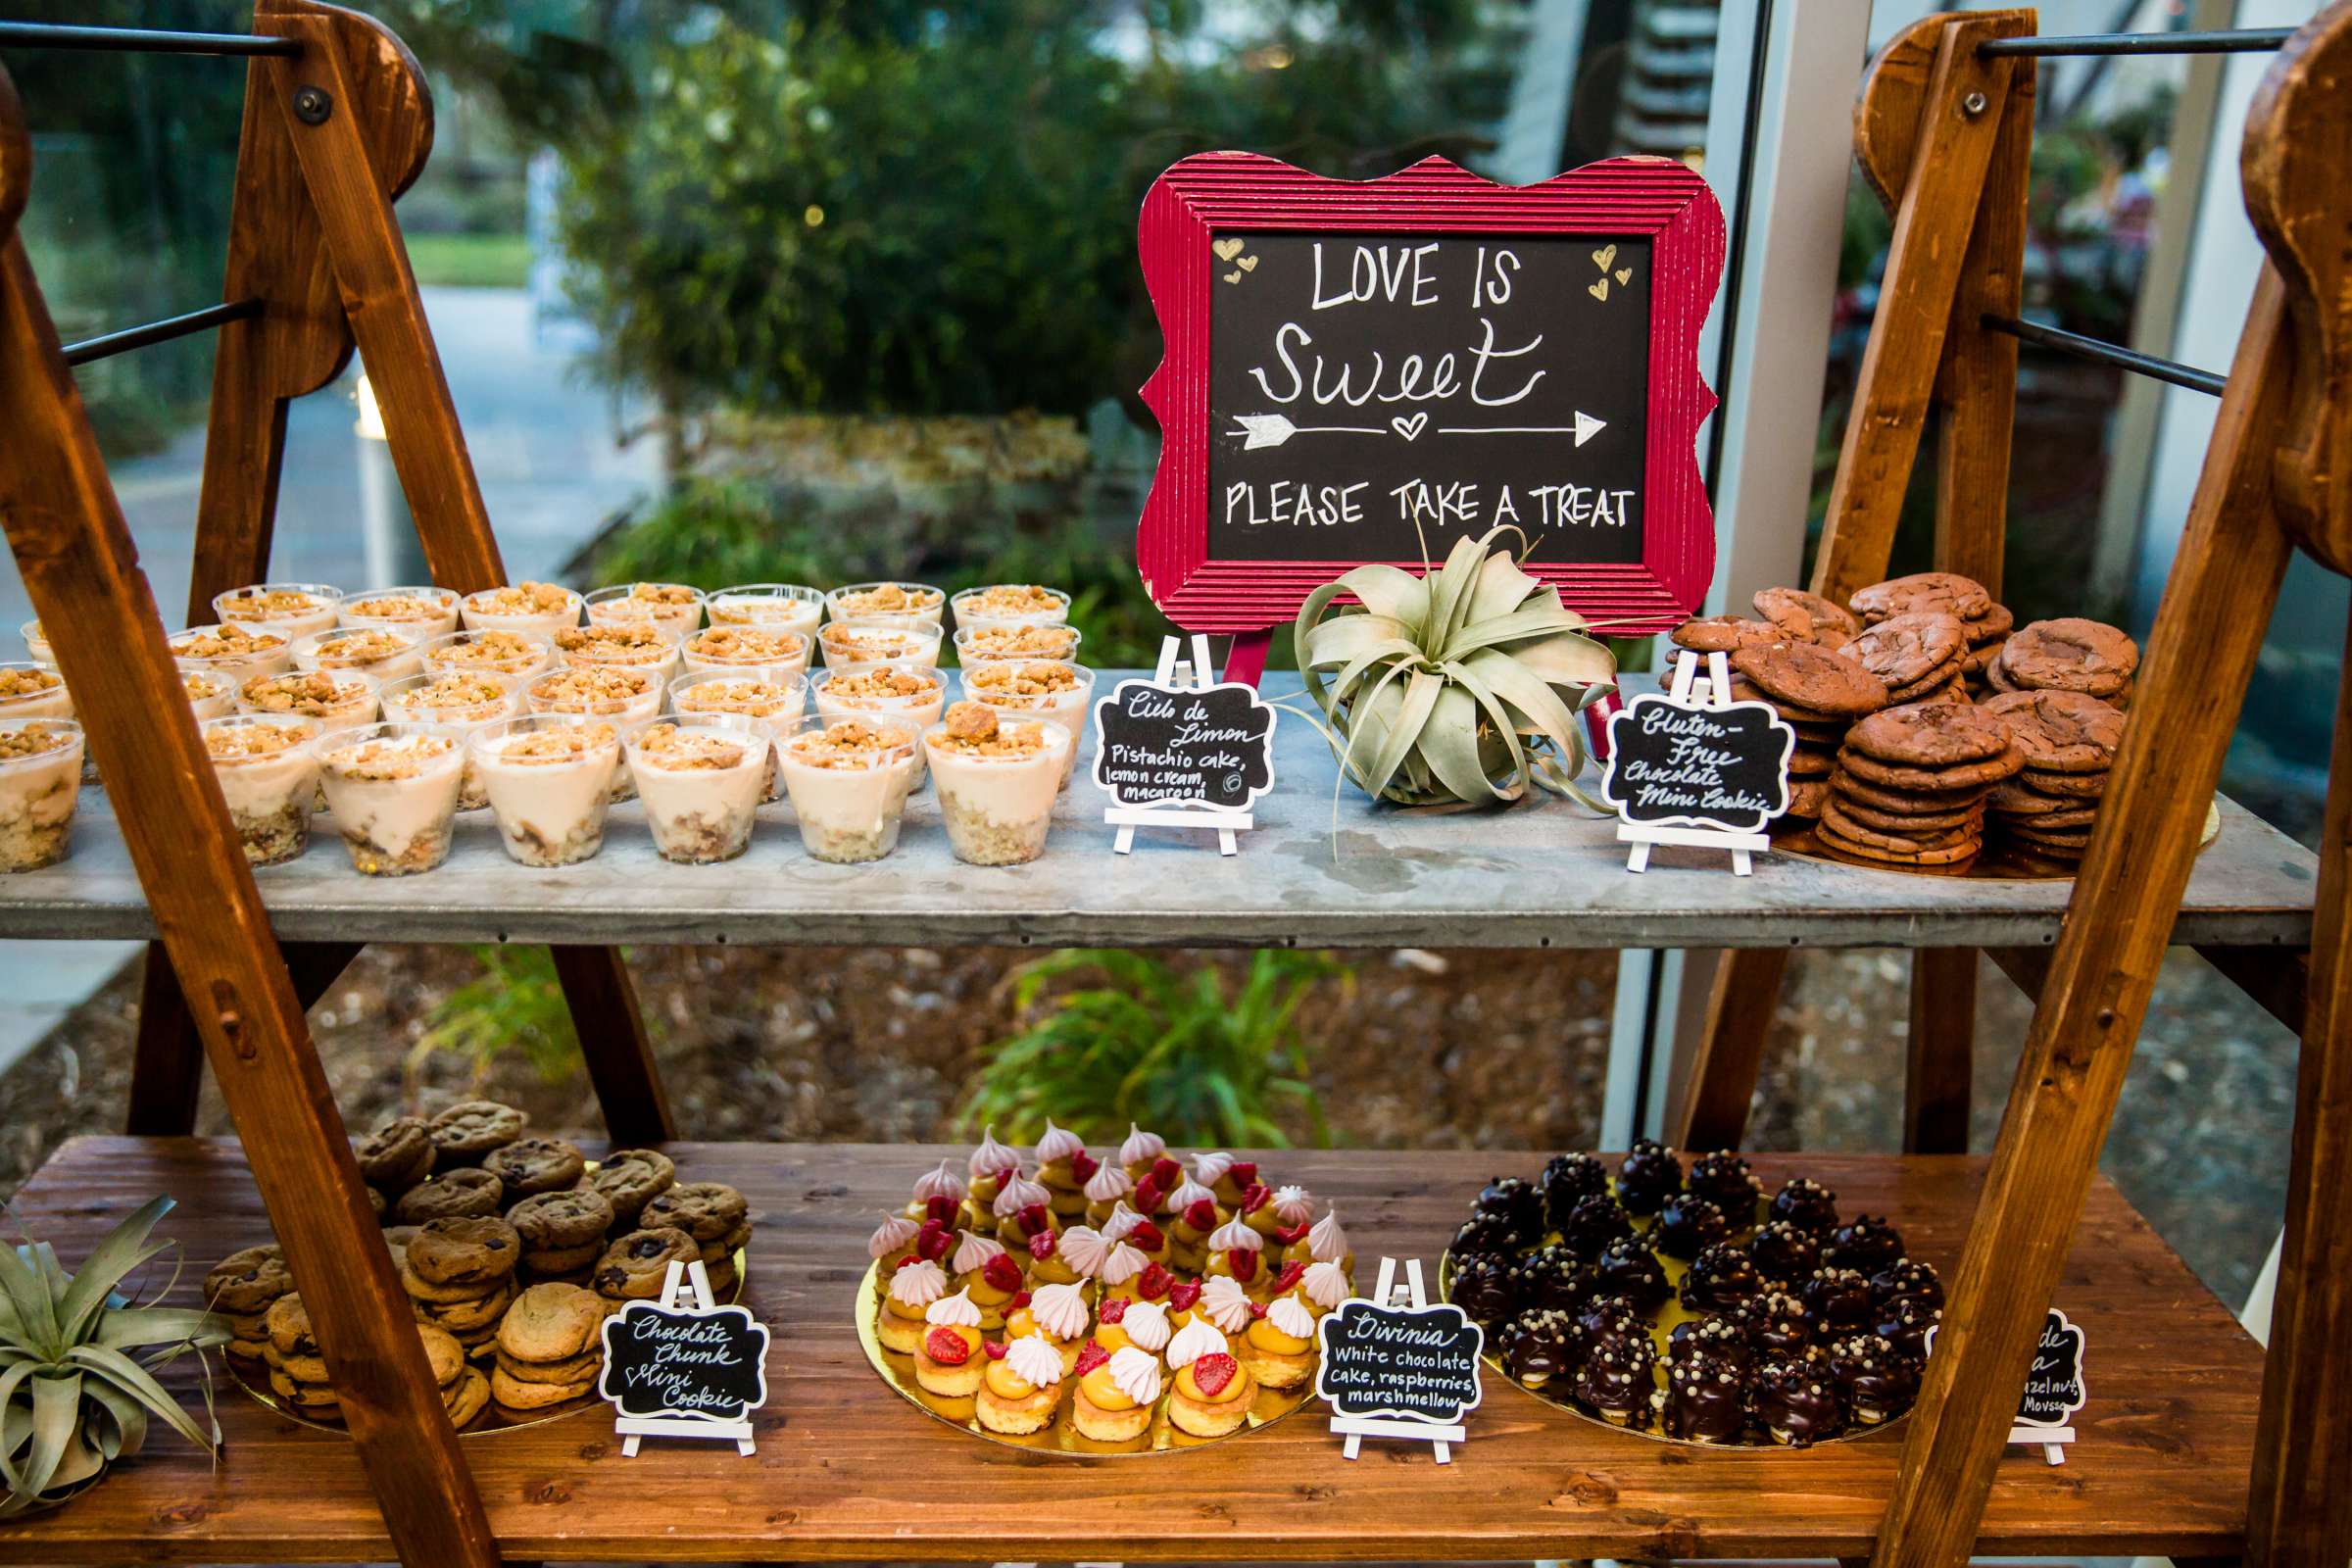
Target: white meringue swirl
1234,1236
1018,1192
918,1283
1123,1264
1187,1192
1108,1182
1085,1250
990,1156
1292,1206
1122,1220
1135,1373
1141,1148
895,1232
1034,1362
940,1183
973,1251
1212,1170
1059,1143
1225,1303
1325,1284
1290,1315
1146,1323
1327,1243
1060,1310
1195,1340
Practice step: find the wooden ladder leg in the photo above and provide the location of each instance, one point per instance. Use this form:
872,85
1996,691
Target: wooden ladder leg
1722,1080
2201,656
1940,1050
610,1026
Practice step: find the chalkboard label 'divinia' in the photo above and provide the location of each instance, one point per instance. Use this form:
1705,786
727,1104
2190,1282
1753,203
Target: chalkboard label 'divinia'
1680,763
1417,1363
1170,744
681,1362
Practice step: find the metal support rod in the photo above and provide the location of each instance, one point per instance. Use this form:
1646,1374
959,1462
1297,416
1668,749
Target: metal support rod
142,41
162,331
2235,41
2091,348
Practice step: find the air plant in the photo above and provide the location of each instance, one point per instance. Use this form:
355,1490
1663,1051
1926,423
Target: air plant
1459,684
77,1363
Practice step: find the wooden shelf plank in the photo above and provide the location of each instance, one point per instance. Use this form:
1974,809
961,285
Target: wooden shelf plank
1543,874
847,1470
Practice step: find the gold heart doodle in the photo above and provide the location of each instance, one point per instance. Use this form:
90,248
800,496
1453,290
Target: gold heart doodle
1233,277
1227,249
1624,275
1248,264
1603,257
1599,290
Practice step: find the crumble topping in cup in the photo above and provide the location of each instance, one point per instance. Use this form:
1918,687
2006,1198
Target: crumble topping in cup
889,599
556,743
368,645
314,693
455,689
971,729
623,640
272,605
523,599
588,686
395,607
748,645
885,684
203,685
33,740
223,642
1021,642
870,643
17,683
1010,599
761,698
846,744
1020,683
380,759
493,649
232,741
668,746
662,593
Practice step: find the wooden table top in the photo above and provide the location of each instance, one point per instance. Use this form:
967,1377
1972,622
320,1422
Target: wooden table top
1545,873
848,1470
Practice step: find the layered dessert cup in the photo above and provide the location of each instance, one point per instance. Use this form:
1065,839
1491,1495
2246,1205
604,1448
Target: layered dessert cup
980,645
37,644
549,778
380,653
718,649
892,691
770,698
339,699
393,789
237,652
621,645
777,606
32,690
41,784
268,776
864,644
699,779
289,608
499,653
863,601
423,613
997,778
1011,604
210,695
535,609
1036,688
847,779
623,697
462,701
671,606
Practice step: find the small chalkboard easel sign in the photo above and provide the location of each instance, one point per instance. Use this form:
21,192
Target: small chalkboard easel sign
1703,774
1183,749
683,1366
1394,1365
2055,1388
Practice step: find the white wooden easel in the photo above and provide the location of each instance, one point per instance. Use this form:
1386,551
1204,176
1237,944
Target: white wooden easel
1356,1428
1198,676
1641,835
633,1428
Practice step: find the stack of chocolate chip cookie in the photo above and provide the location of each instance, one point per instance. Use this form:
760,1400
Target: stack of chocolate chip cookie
1819,692
2068,655
242,1287
297,1371
714,1214
2069,741
635,1266
562,1233
1910,784
460,1275
550,1349
1921,655
1966,600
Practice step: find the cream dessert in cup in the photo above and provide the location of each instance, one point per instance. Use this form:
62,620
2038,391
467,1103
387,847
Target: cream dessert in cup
861,601
1011,604
1036,688
339,699
864,644
997,781
465,701
725,648
777,606
32,690
500,652
289,608
549,778
37,644
700,780
980,645
770,698
423,613
237,652
393,789
268,776
918,695
41,784
628,698
379,652
535,609
209,695
671,606
847,779
620,645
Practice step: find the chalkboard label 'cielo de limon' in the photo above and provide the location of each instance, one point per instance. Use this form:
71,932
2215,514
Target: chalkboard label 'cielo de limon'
1161,744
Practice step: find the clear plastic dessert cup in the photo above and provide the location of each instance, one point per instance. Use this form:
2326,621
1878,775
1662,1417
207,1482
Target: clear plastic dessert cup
423,613
339,699
864,644
699,779
996,778
237,652
535,609
462,701
777,606
620,645
549,778
772,699
268,776
30,689
671,606
289,608
1036,688
871,600
884,691
210,695
849,780
41,784
623,697
980,645
724,648
37,644
393,789
1011,604
495,652
379,652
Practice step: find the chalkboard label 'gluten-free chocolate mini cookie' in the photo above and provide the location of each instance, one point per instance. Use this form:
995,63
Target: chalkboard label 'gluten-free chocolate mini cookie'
1679,762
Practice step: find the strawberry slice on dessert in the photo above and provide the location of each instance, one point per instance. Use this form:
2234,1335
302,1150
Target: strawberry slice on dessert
1287,1280
1184,1295
1089,1356
1214,1373
1245,1265
1002,1273
1166,1174
1203,1216
1154,1281
1148,1196
1145,1236
1256,1196
1042,1245
934,1240
1083,1165
947,1347
1035,1219
941,1210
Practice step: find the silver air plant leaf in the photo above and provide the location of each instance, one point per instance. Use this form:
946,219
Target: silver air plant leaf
77,1365
1458,685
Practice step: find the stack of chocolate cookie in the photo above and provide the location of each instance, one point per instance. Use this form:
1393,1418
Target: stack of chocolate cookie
714,1214
1819,692
1911,782
1921,655
460,1275
2069,741
242,1287
2068,655
551,1348
297,1371
562,1233
635,1266
1983,622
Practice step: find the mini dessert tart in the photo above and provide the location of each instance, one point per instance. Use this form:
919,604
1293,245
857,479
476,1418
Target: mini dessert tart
499,653
1154,1187
1056,1313
535,609
850,645
549,778
1569,1178
1077,1255
1232,1252
1806,1204
1105,1191
1538,1348
268,776
911,601
782,654
1784,1254
1047,689
1143,1324
915,1286
1491,1235
1020,1387
1866,1244
1326,1241
1687,1225
1211,1392
209,695
1323,1287
1293,1210
622,645
1021,1208
848,781
1593,1224
989,1163
1146,1238
700,780
938,1185
986,1275
1909,1277
393,789
1650,1173
1184,1302
1279,1346
892,1244
1121,1272
948,1359
1140,1151
1796,1402
422,611
1618,1378
289,608
1723,1279
1876,1381
997,783
1725,1180
378,652
339,699
1705,1400
1117,1391
237,652
466,701
673,607
30,690
1550,1277
1193,1216
1905,1323
980,645
1485,1288
778,606
1777,1329
1011,604
1515,1200
41,785
1627,1267
37,644
1837,1301
1047,1265
1058,1153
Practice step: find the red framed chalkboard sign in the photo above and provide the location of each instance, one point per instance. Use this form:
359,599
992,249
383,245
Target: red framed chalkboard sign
1360,371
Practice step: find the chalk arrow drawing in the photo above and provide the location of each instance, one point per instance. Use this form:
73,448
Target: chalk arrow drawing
1584,429
1273,430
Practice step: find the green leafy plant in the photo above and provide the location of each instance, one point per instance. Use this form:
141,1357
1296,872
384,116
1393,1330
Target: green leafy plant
1451,685
77,1365
516,1003
1180,1052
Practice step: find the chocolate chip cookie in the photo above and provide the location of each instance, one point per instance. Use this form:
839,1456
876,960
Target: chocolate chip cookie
466,1132
2069,654
1812,677
245,1283
1806,617
575,1217
634,1267
551,1323
397,1155
704,1210
288,1323
1961,597
630,1178
511,1394
530,1165
467,1398
461,1194
476,1251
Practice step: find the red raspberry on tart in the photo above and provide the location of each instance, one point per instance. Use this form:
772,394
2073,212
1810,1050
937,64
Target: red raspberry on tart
1214,1372
1089,1356
1145,1236
1003,1273
1184,1295
1114,1309
1155,1283
1255,1196
1083,1165
934,1240
1203,1216
996,1348
1244,1173
945,1347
